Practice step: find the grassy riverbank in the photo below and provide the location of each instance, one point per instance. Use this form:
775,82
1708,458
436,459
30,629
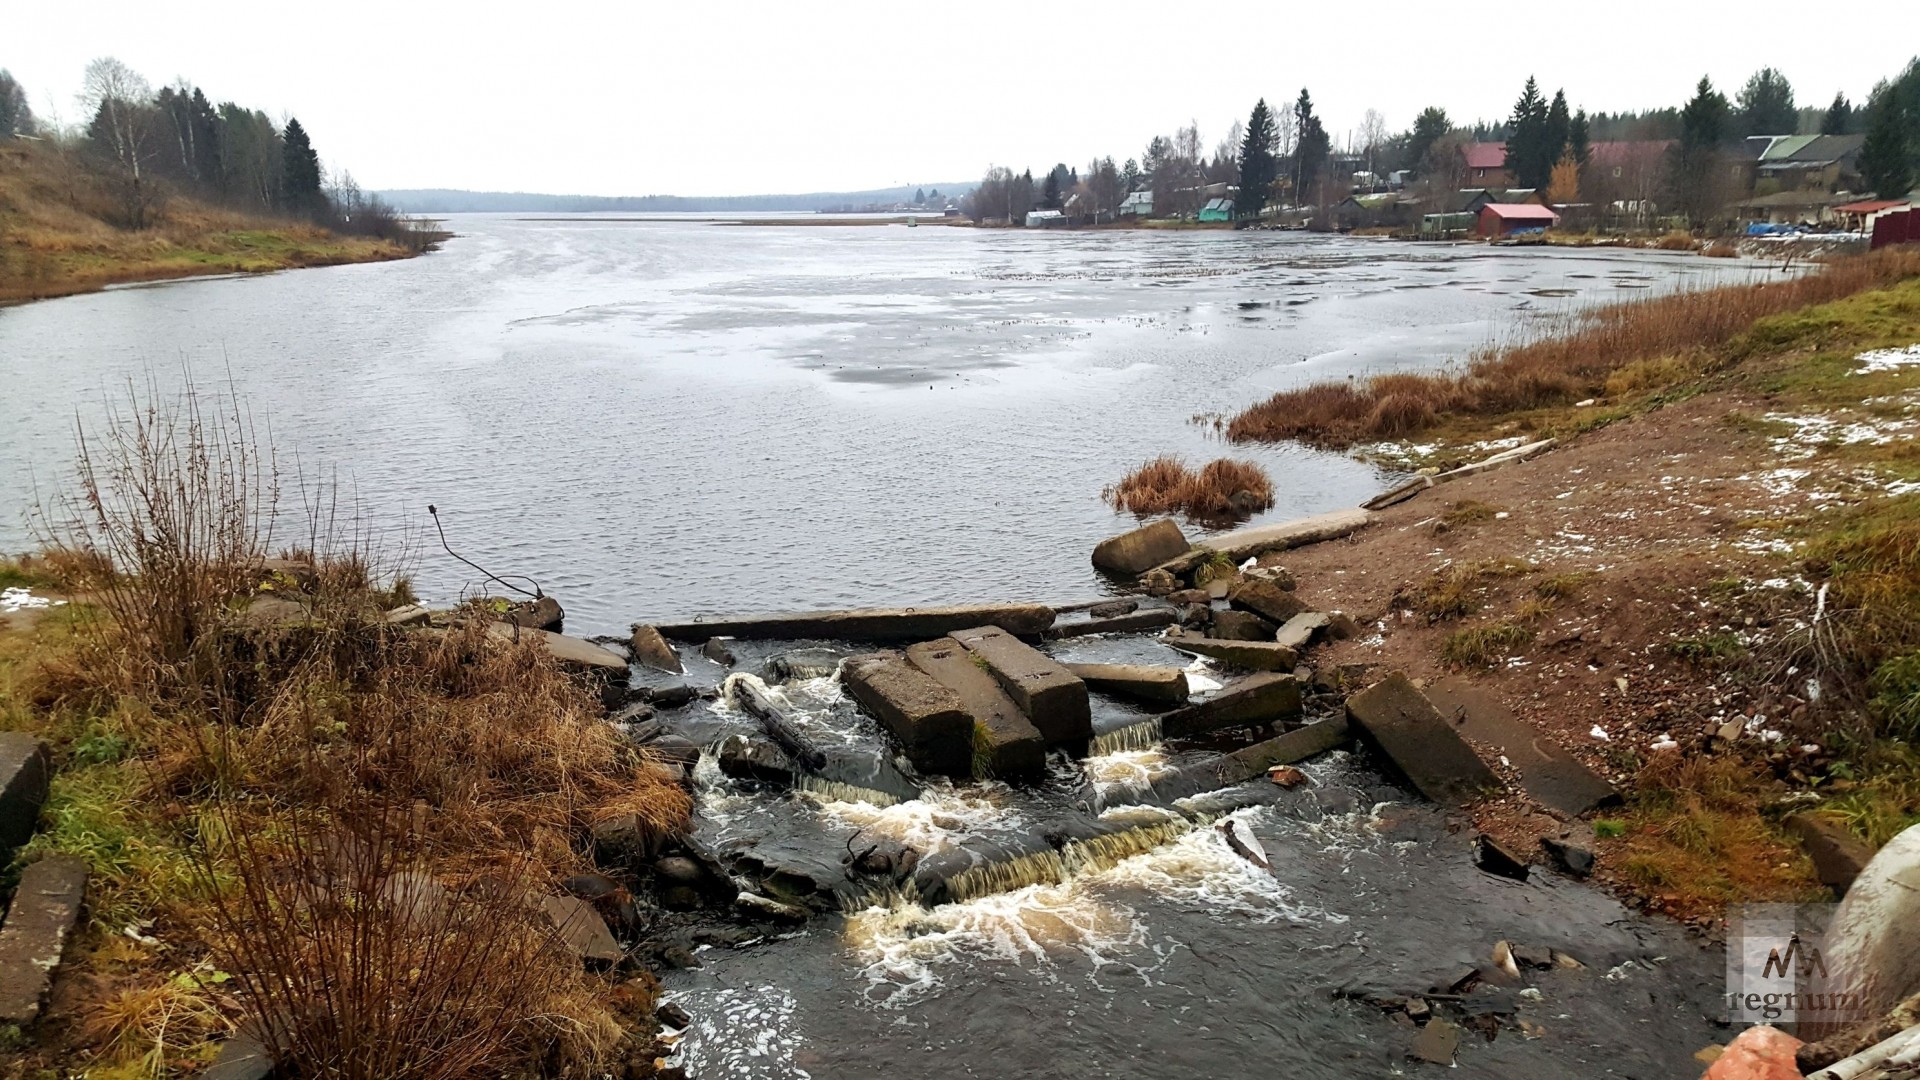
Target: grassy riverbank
1709,591
57,237
301,820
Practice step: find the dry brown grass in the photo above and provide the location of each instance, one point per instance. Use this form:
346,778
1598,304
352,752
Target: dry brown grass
1222,489
1574,362
368,810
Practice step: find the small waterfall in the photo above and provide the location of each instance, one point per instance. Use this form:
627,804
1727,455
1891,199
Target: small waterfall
1141,736
835,791
1076,857
1038,868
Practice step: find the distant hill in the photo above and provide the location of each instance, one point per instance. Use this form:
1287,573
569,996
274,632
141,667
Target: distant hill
452,201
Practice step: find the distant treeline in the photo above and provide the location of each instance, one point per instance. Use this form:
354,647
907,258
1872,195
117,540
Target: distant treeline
447,201
139,147
1286,156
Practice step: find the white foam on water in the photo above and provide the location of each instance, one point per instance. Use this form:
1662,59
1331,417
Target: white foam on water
747,1032
903,949
940,818
1126,772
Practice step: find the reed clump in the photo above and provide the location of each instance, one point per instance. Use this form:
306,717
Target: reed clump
350,825
1221,489
1571,362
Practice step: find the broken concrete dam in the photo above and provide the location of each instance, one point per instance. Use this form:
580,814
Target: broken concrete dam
1145,828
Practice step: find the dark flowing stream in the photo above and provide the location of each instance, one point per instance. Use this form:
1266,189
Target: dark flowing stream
664,418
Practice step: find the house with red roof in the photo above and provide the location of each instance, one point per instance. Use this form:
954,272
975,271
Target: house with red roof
1501,219
1487,165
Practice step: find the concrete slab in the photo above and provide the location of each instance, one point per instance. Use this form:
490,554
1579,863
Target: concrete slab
927,719
869,624
34,936
1047,693
1233,625
1245,655
1243,544
1160,685
576,653
1258,699
25,771
1132,622
1265,599
1005,743
1303,629
1399,721
1134,553
1549,774
1838,855
650,649
1297,745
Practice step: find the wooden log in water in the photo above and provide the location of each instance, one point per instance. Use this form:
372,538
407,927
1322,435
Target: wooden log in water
752,696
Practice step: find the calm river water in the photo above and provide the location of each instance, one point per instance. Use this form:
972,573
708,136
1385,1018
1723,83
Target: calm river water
664,418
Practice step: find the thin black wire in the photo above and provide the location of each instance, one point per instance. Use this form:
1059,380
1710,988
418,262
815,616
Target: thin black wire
536,593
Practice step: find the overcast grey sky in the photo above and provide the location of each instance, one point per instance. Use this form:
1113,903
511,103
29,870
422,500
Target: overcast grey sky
738,98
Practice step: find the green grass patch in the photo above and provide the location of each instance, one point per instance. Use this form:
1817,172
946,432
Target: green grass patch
1484,646
1707,648
1563,586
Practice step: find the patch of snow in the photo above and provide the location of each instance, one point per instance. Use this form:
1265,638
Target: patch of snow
1887,359
17,599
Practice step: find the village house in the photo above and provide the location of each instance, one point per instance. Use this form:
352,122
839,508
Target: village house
1487,165
1503,219
1137,204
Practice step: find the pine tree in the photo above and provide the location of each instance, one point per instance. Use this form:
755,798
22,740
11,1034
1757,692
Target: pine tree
1258,168
15,117
1839,116
919,196
1579,141
1887,155
299,170
1428,128
1558,130
1693,171
1311,149
1766,105
1050,192
1529,157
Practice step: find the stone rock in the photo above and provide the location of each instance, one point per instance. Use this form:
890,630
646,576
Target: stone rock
1136,552
746,758
869,624
1163,685
1265,599
1575,858
581,928
270,612
1758,1053
680,898
1436,1042
670,696
1409,732
1417,1010
1047,693
1241,626
679,870
1303,629
716,650
1278,575
622,840
1196,614
1730,731
1257,699
1533,957
679,956
650,649
406,615
25,772
1245,655
1838,856
1489,856
804,664
242,1057
1244,843
1159,583
672,1015
1005,743
1183,597
761,907
33,939
573,653
927,719
1343,627
1113,609
540,613
1286,776
675,749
